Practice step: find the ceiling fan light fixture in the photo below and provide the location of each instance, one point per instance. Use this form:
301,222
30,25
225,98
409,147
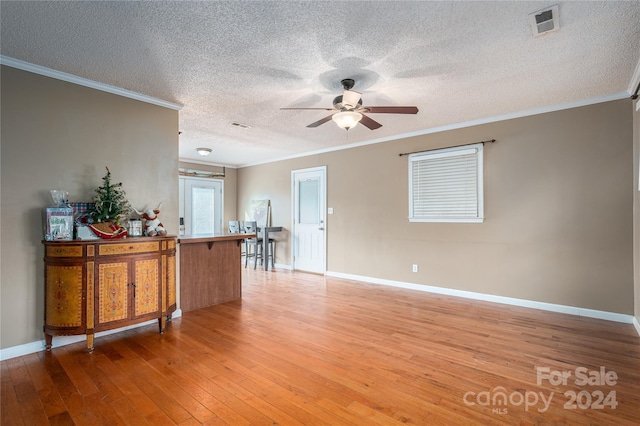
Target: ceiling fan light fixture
204,151
347,119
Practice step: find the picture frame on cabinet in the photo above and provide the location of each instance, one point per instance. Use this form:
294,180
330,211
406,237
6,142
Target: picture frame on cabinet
57,223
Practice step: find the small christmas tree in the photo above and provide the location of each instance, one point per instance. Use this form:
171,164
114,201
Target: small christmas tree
110,201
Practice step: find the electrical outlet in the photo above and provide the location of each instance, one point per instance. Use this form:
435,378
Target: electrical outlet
415,268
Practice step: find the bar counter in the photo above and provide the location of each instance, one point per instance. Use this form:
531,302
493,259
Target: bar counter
210,269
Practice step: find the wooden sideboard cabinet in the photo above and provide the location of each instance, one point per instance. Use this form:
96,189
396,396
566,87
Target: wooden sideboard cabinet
97,285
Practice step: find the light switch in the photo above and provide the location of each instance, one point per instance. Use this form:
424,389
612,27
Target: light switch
330,210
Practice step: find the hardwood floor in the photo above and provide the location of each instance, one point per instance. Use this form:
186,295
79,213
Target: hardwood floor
306,349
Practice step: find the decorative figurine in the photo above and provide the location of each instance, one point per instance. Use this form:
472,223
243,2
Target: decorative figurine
152,225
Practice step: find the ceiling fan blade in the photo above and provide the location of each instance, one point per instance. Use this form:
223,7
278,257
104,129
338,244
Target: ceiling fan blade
369,122
319,122
321,109
351,98
391,109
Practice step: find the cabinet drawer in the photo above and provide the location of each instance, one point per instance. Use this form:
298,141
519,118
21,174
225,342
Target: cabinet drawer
126,248
64,251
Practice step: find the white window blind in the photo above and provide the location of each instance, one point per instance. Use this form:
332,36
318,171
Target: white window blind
446,185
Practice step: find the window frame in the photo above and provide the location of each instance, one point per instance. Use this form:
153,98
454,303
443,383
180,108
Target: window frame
447,153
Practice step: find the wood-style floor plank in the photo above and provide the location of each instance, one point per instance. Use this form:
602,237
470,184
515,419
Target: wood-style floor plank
10,407
303,349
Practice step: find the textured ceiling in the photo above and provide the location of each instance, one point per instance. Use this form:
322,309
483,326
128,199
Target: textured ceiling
242,61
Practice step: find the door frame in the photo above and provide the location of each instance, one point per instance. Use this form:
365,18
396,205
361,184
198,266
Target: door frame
182,180
323,213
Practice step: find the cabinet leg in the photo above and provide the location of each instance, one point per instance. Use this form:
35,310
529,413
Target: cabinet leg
48,342
162,323
90,347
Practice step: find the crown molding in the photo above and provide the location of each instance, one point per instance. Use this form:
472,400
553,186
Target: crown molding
635,79
70,78
455,126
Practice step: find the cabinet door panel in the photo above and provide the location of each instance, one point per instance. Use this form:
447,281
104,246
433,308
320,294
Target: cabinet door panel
64,296
171,280
147,284
113,292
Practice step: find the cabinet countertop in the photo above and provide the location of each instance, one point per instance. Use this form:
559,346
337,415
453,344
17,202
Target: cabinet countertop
204,238
112,240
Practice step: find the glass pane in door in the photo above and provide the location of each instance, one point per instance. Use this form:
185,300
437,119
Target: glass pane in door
202,203
308,199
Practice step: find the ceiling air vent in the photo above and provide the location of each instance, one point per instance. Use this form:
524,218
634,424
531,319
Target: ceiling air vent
242,126
544,21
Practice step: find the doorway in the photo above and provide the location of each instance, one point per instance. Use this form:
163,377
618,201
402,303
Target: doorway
201,208
309,219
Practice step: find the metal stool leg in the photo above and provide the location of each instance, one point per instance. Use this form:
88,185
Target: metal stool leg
272,252
256,250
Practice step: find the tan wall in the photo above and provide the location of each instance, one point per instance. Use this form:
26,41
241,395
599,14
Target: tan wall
230,186
558,228
57,135
636,207
559,225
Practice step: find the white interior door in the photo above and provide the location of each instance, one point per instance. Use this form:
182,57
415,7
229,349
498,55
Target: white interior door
309,219
203,209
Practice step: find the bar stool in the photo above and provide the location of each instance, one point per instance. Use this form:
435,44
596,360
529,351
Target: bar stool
271,250
251,227
233,227
271,247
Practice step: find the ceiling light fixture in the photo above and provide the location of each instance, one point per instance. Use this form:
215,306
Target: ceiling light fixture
347,119
203,151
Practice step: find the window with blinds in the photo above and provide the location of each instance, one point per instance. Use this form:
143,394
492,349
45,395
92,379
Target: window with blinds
446,185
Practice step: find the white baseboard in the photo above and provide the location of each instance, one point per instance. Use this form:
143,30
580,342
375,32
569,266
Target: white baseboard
38,346
583,312
275,266
29,348
283,266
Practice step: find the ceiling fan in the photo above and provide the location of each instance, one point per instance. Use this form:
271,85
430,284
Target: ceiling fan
349,110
